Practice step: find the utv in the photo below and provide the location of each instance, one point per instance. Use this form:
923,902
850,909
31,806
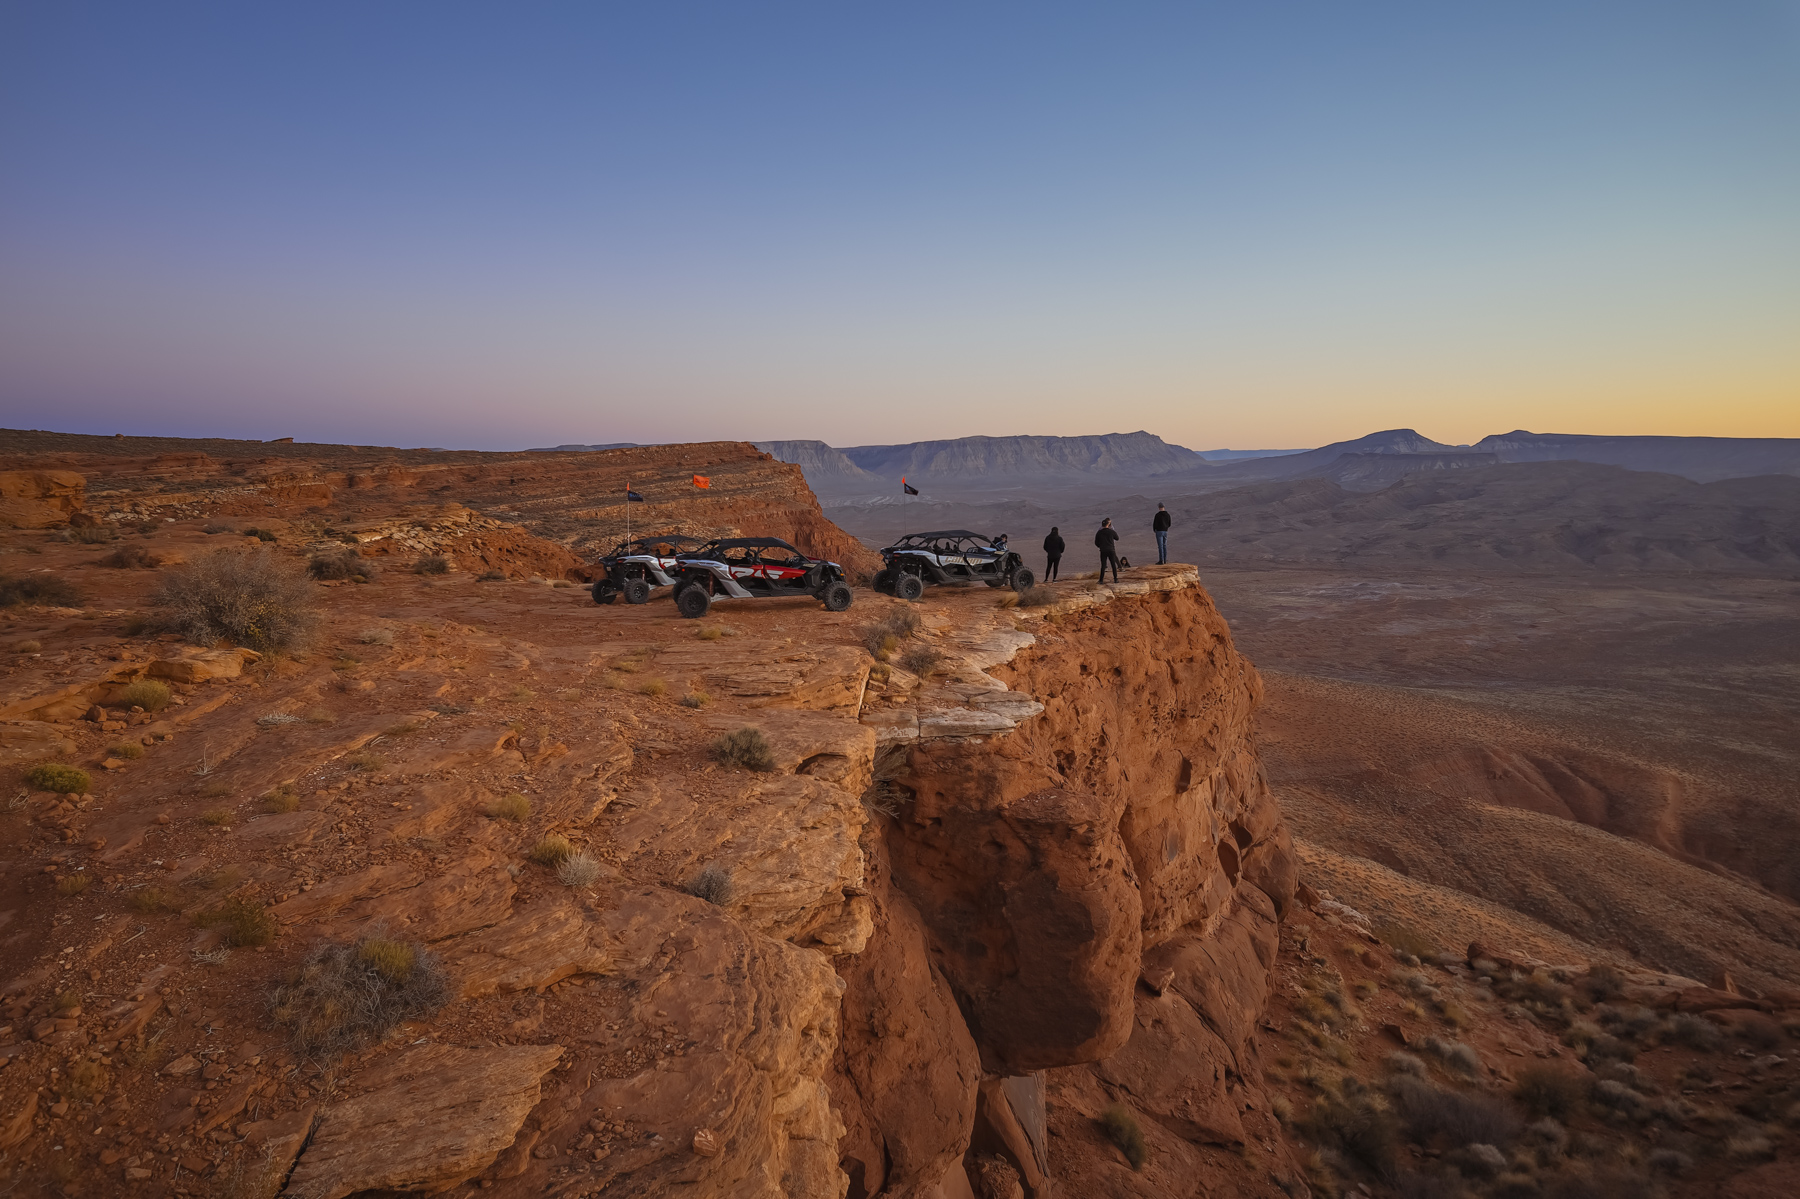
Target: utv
754,568
634,567
949,556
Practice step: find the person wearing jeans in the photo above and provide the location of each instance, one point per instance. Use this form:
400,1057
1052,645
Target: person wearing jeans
1161,526
1053,550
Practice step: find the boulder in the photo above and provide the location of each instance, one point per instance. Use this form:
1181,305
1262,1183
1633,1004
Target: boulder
39,499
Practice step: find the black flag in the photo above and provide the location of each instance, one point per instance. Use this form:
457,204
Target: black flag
632,497
908,487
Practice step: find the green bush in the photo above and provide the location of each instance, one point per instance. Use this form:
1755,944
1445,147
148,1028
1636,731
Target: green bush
148,694
53,776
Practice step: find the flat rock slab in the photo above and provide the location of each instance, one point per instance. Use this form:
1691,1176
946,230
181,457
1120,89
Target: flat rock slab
429,1119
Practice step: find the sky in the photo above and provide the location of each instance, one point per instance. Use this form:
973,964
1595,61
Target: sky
497,226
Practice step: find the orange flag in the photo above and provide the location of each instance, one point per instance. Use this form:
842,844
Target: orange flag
702,481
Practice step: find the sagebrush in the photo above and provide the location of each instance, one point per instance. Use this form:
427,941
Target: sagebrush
348,996
254,599
48,590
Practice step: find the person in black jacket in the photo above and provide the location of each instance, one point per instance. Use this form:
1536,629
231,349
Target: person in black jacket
1161,528
1053,548
1107,539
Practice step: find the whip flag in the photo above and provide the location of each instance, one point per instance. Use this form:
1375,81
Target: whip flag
632,497
702,481
908,487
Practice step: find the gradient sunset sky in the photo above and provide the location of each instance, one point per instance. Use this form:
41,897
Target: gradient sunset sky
507,225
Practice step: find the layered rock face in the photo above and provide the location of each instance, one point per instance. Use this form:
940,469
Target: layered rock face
1096,887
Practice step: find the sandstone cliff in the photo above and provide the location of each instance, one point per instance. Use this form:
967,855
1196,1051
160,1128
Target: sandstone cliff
965,909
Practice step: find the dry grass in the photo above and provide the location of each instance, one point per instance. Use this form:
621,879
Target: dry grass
53,776
695,699
1551,1091
747,747
131,751
47,590
281,799
653,687
432,564
922,660
88,1080
512,806
1036,596
710,633
376,635
74,884
217,817
253,599
1122,1129
578,870
154,901
345,564
346,997
553,849
365,761
712,884
148,694
245,921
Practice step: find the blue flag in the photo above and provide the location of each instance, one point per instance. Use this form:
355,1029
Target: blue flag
908,488
632,497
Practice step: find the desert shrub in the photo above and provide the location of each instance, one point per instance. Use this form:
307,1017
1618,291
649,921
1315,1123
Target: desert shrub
653,687
1356,1122
245,921
376,635
747,747
341,564
151,901
47,590
1759,1030
281,799
695,699
1672,1162
263,535
29,647
1608,1048
129,750
1600,984
132,557
710,633
1452,1118
366,762
1406,1063
1696,1032
578,870
880,643
432,564
254,599
490,576
1123,1130
513,807
552,850
349,996
1551,1091
74,884
53,776
87,534
1036,596
151,695
712,884
922,660
1403,939
215,527
1455,1055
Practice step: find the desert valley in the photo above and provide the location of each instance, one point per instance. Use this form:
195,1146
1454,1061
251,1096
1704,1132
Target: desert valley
1426,827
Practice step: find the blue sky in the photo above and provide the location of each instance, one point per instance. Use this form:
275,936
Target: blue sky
508,225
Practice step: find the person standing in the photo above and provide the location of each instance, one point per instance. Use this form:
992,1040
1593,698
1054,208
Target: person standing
1107,539
1053,548
1161,526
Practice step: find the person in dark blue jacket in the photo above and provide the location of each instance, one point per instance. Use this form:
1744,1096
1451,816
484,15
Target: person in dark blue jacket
1053,548
1160,526
1107,540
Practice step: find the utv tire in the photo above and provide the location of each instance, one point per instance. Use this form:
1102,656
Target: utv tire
604,593
637,591
883,581
909,587
692,601
1022,580
837,597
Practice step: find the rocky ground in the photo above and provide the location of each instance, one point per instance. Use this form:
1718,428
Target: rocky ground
484,889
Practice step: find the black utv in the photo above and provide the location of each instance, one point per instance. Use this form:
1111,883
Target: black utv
754,568
949,556
636,566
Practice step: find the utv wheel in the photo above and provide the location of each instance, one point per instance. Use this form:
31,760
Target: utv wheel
1022,580
837,597
883,581
909,587
637,591
604,593
692,601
